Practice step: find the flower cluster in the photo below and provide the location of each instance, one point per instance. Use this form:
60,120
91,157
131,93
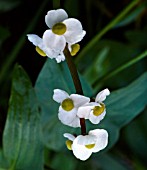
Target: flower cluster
62,31
74,107
60,42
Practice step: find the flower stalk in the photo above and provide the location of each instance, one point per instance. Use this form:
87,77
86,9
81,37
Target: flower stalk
77,82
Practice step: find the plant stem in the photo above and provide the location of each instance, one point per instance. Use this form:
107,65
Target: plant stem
77,83
105,29
73,71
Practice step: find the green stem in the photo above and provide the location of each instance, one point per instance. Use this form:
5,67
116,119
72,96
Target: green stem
76,81
105,29
13,55
121,68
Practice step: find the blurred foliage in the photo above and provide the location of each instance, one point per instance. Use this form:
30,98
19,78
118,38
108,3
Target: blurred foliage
120,43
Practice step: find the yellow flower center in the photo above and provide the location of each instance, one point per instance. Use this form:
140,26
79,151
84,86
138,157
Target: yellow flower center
67,104
59,28
90,146
98,110
39,51
74,49
69,144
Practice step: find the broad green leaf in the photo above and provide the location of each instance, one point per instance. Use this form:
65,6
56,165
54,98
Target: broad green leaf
137,139
22,144
54,76
137,37
123,105
105,161
113,59
98,67
67,161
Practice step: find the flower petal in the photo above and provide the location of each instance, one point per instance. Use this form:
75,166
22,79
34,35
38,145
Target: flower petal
75,123
102,139
69,136
96,119
101,96
84,111
79,100
50,53
66,117
74,32
87,139
55,16
80,151
60,58
60,95
53,41
35,39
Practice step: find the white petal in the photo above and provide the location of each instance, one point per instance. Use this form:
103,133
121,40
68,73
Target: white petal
87,139
66,117
35,39
55,16
69,136
60,95
60,58
84,111
79,100
80,151
74,32
49,52
75,123
96,119
102,139
53,41
101,96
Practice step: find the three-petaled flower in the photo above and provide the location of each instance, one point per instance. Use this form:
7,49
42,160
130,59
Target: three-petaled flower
94,111
84,146
69,105
63,30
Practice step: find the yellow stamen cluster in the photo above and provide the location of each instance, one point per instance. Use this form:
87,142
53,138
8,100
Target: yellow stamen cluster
74,49
39,51
59,28
67,104
69,144
98,110
90,146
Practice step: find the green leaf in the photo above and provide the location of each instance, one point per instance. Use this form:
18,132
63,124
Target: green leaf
137,139
137,38
54,76
22,144
105,161
132,16
124,105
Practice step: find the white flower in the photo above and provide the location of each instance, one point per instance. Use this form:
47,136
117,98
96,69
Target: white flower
94,111
45,50
68,29
69,105
62,30
84,146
